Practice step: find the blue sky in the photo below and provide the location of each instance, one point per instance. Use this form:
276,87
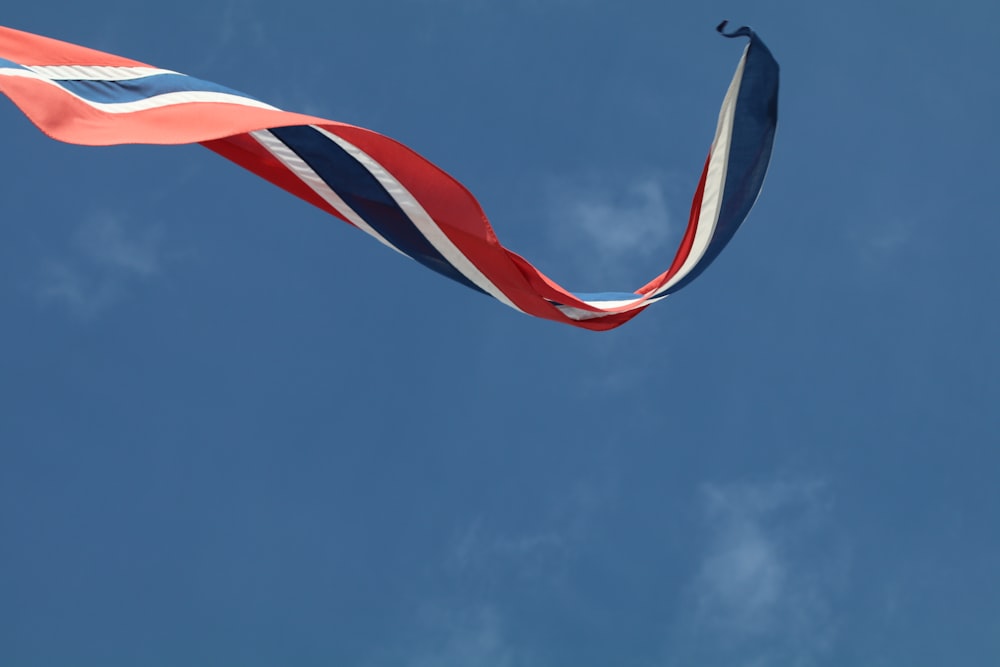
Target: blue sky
236,431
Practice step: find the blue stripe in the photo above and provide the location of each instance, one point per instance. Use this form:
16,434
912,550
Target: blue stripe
754,124
132,90
363,193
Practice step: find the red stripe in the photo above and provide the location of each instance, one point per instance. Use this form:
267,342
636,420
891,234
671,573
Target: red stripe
685,248
64,117
463,221
457,214
224,128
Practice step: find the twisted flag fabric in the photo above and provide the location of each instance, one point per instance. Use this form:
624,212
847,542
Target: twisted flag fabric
82,96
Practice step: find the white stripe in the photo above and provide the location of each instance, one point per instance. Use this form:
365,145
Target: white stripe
421,219
613,304
305,173
182,97
95,73
580,314
708,216
155,102
639,300
715,180
707,221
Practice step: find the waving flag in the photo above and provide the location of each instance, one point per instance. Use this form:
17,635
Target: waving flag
82,96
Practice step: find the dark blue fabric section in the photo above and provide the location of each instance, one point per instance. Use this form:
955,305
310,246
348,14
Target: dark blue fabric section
754,125
111,92
363,193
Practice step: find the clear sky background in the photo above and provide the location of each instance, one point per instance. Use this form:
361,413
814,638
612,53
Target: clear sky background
235,431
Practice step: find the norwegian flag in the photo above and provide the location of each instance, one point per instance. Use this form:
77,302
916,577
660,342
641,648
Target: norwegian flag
82,96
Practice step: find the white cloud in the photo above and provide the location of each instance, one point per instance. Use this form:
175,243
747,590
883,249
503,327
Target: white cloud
469,624
542,553
883,240
107,260
107,243
609,234
765,585
481,552
741,581
84,295
466,638
625,224
454,636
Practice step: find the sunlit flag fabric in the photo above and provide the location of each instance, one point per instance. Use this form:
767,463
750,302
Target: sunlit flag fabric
82,96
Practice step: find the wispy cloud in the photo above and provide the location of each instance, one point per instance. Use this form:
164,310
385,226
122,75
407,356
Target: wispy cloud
744,575
107,243
471,627
106,261
883,240
472,637
481,549
763,592
603,231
